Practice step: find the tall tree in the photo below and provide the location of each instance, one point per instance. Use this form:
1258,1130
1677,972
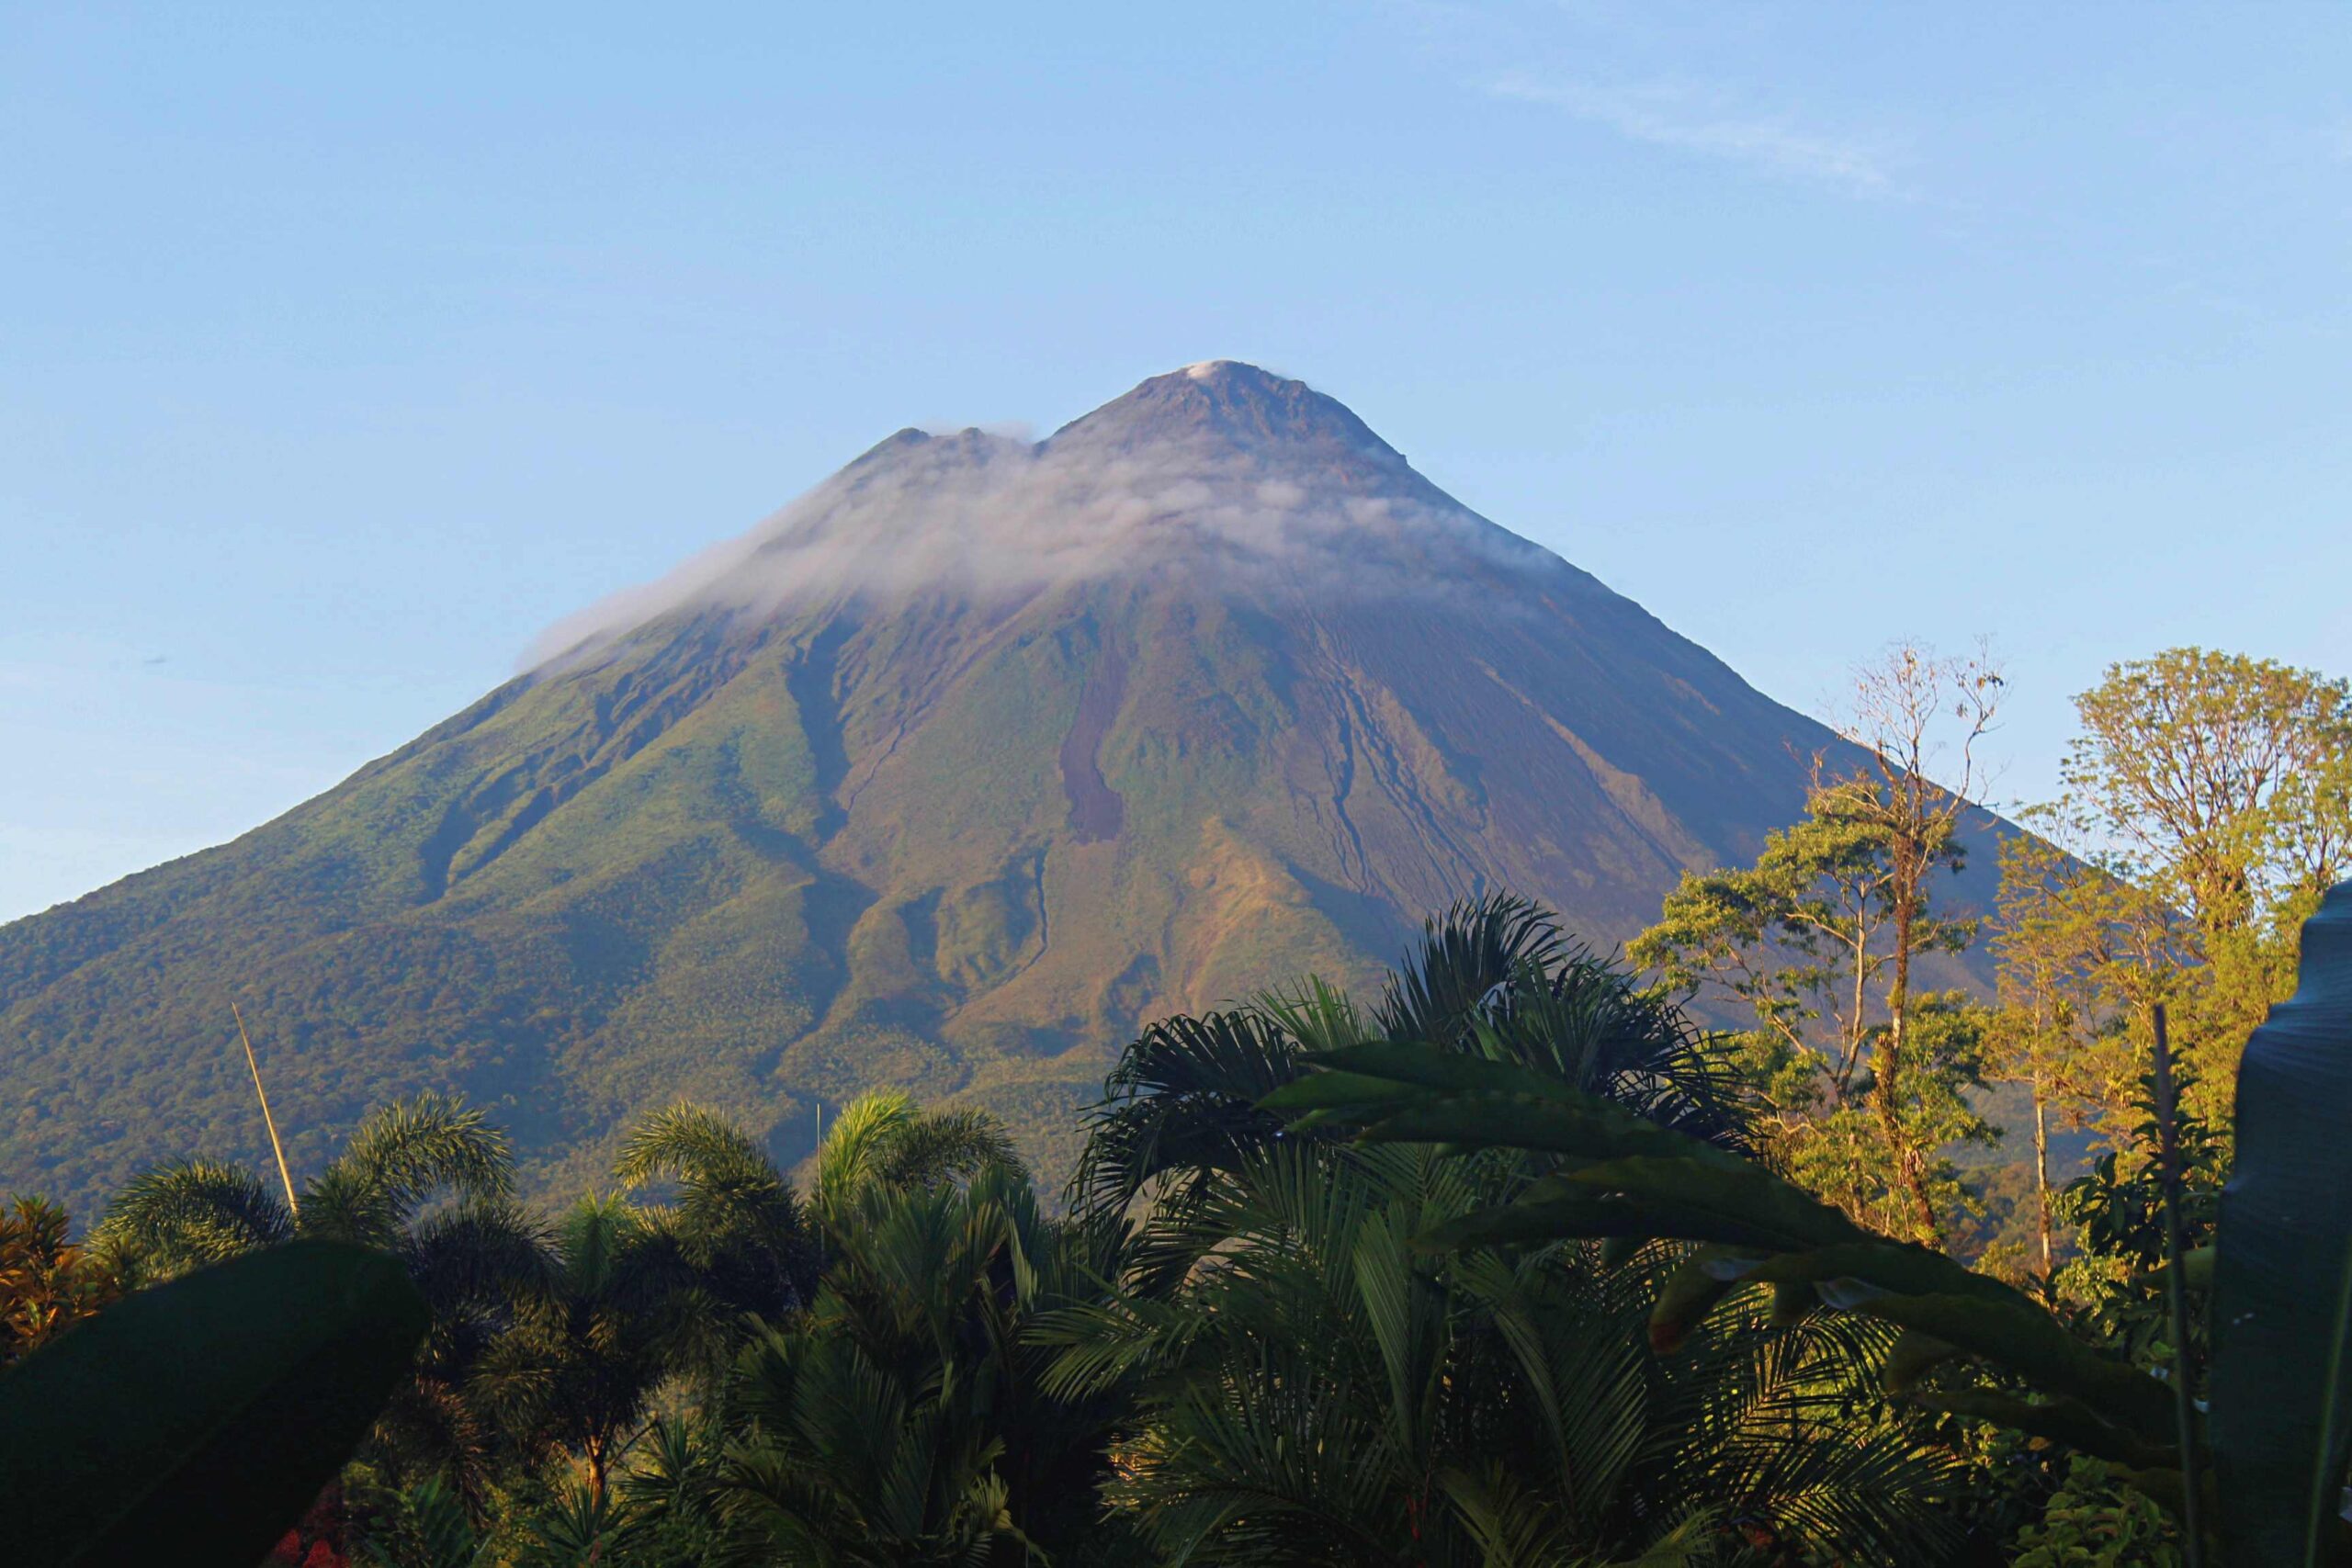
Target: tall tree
734,1214
885,1140
1920,716
621,1309
1863,1076
2084,956
2222,784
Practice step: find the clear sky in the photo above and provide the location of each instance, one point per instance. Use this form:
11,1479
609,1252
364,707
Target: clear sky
343,347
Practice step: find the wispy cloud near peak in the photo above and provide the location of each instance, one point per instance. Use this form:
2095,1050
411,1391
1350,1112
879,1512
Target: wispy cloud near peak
1677,115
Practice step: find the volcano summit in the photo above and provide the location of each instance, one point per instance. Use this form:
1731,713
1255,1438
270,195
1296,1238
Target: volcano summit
948,776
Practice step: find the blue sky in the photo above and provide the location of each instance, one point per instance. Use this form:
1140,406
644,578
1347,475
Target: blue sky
342,348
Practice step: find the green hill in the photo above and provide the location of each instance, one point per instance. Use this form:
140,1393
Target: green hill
946,778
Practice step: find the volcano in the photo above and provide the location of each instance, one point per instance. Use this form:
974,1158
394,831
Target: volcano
948,777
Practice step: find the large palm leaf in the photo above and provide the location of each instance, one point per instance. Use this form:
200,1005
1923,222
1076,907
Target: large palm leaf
734,1212
883,1140
175,1217
400,1156
903,1417
1182,1103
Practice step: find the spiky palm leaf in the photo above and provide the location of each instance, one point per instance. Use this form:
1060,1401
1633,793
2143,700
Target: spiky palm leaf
883,1142
1182,1103
1305,1363
1463,963
399,1157
1493,977
904,1418
175,1217
734,1212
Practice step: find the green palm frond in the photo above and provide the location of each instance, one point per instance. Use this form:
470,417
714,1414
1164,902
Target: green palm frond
1464,959
172,1218
1183,1102
883,1142
479,1253
735,1214
399,1156
1584,1019
1798,1444
856,1146
940,1145
719,1170
1314,1015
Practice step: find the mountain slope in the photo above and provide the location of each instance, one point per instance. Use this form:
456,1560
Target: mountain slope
946,777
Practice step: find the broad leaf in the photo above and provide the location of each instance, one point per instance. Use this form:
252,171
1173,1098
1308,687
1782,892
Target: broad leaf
2282,1419
196,1422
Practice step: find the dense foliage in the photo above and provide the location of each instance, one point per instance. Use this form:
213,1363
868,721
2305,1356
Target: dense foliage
1234,1347
1511,1264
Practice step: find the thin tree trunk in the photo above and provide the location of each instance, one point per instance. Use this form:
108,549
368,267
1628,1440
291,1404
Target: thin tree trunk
2041,1170
1857,1031
1890,1069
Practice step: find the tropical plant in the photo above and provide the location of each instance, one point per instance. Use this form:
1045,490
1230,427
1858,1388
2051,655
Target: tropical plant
1313,1388
1616,1177
2095,1520
425,1525
47,1283
196,1421
1317,1391
400,1159
734,1214
1493,977
576,1369
885,1140
903,1418
662,1511
425,1180
2280,1425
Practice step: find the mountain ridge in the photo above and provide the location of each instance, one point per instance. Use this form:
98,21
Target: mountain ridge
946,777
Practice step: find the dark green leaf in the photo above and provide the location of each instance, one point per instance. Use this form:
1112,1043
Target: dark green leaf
2281,1418
196,1422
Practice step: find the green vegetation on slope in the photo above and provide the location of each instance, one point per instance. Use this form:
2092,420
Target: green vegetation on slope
773,862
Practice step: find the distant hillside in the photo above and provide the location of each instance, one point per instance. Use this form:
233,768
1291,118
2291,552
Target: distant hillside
946,777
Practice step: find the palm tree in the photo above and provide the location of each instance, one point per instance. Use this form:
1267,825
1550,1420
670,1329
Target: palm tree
903,1419
1497,977
427,1179
1493,977
176,1217
882,1140
402,1157
734,1215
576,1369
1316,1388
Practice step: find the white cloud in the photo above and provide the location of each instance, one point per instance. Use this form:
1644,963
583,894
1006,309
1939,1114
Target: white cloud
1691,120
992,517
